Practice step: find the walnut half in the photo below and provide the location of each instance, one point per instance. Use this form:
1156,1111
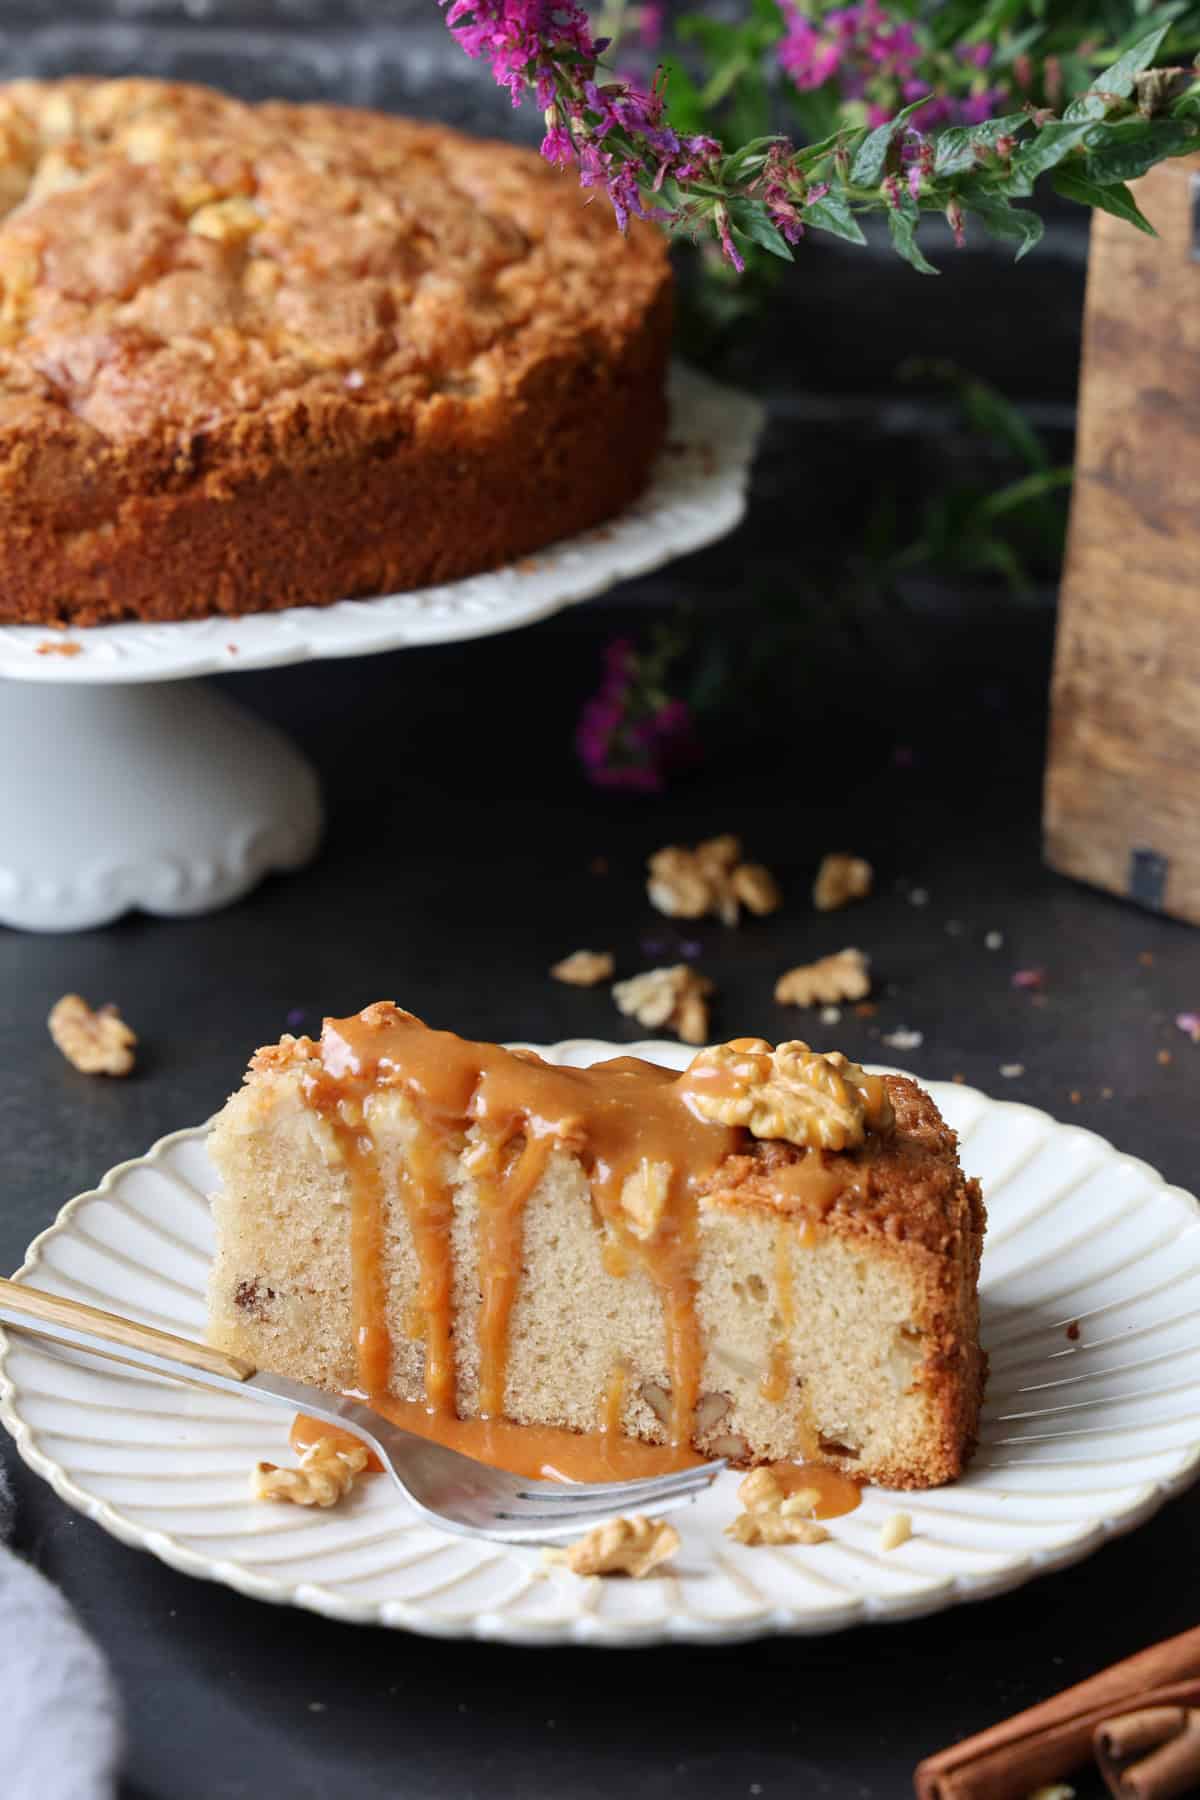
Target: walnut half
676,997
841,879
326,1474
774,1528
584,968
96,1043
711,878
790,1093
619,1547
843,976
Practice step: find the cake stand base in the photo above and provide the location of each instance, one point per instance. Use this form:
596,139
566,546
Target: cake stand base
164,796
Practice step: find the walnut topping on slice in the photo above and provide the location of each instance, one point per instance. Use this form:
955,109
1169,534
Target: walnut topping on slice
774,1528
841,879
843,976
676,997
619,1547
584,968
711,878
792,1093
96,1043
326,1474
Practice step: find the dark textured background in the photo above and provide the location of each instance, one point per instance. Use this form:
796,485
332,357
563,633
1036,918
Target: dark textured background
457,865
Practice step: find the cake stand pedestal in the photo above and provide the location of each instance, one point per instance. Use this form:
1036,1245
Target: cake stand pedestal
127,784
166,797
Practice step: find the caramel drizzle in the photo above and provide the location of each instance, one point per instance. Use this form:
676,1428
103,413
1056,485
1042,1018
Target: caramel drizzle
372,1338
429,1204
500,1237
613,1116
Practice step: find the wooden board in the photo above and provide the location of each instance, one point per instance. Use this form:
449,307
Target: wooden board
1123,777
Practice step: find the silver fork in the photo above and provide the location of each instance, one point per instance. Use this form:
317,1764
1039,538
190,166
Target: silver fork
447,1488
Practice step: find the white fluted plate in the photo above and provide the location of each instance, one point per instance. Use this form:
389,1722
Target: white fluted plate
696,494
1085,1433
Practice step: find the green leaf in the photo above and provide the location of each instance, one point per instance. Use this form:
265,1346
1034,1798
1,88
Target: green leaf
833,214
902,223
956,146
871,157
1113,198
1119,77
1047,150
1004,221
750,220
688,114
989,412
1020,493
813,153
745,161
1127,150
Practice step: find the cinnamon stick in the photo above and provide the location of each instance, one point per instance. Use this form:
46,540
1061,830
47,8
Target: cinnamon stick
1048,1741
1145,1729
1165,1773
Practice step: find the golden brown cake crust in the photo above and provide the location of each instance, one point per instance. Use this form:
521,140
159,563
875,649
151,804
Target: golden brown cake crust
255,357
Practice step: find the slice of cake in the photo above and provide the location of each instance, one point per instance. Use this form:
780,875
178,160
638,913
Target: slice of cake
771,1256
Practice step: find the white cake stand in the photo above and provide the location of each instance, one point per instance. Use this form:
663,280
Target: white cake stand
119,791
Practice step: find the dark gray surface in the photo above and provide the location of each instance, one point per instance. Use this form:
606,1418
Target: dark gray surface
456,867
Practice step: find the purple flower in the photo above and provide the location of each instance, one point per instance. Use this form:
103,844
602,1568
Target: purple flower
651,15
630,734
725,233
879,59
557,147
1189,1024
808,58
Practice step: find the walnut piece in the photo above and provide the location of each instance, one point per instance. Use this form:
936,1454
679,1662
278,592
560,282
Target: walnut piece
96,1043
761,1492
841,879
774,1528
584,968
711,878
619,1547
676,997
791,1093
326,1474
896,1530
843,976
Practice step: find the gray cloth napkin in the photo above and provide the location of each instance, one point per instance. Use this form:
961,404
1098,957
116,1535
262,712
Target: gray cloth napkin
60,1728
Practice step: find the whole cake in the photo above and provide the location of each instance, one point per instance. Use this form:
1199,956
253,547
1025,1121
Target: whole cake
771,1256
265,356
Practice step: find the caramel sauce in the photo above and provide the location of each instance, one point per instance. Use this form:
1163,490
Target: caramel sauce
614,1399
502,1200
836,1493
511,1110
547,1453
539,1452
809,1182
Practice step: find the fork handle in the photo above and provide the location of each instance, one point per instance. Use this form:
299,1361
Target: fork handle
31,1309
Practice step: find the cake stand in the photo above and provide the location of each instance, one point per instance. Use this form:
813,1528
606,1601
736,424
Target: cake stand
121,791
